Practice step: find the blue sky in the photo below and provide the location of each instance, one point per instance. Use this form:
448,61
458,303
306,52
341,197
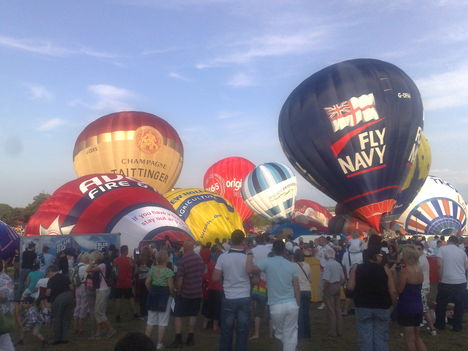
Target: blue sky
217,70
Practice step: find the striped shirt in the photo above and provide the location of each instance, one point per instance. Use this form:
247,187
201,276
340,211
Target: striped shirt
191,269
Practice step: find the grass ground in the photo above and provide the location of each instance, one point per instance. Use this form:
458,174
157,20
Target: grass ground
207,340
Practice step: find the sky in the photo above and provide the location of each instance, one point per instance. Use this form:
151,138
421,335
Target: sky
218,71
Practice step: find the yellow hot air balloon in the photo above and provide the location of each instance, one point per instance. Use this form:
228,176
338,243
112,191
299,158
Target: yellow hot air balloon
133,144
208,215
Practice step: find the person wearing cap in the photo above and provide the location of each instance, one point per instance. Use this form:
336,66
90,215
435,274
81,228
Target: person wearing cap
59,292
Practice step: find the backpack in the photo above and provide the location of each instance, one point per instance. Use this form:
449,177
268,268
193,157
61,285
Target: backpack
112,275
75,276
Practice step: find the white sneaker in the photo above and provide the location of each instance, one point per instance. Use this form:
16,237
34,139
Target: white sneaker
433,332
321,307
159,347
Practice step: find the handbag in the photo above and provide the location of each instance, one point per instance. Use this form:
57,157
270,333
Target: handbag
7,323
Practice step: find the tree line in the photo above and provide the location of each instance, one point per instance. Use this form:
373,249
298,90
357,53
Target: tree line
18,216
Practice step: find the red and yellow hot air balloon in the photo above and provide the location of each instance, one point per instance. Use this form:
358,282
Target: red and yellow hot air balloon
132,144
225,178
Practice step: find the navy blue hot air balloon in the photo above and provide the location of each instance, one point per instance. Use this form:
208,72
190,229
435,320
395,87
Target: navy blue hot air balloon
353,130
9,241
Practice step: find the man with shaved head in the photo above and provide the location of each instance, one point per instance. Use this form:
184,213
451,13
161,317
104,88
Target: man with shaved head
188,289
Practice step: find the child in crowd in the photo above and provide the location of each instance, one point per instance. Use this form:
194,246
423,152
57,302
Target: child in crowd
32,320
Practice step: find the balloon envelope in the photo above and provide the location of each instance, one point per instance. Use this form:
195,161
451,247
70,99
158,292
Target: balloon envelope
353,130
438,209
108,203
225,178
270,190
310,214
413,182
9,241
347,224
132,144
208,215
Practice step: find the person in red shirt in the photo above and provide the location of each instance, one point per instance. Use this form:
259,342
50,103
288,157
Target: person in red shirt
124,282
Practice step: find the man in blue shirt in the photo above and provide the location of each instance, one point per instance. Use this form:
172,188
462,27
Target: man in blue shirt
283,293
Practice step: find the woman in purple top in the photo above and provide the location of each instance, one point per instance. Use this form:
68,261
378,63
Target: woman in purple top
410,307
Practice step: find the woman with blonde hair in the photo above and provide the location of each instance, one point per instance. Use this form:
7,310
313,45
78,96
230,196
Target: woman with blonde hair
98,268
160,284
81,298
410,307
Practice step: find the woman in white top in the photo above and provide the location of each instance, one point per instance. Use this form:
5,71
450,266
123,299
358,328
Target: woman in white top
102,296
81,297
303,271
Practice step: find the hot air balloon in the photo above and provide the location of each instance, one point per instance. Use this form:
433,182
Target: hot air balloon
208,215
270,190
413,182
225,178
438,209
109,203
347,224
353,130
311,215
9,242
132,144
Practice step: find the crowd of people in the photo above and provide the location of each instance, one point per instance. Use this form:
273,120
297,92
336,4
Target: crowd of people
240,285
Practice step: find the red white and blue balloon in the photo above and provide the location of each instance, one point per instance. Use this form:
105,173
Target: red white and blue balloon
438,209
109,203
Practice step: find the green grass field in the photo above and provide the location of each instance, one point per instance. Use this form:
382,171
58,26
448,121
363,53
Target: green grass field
208,340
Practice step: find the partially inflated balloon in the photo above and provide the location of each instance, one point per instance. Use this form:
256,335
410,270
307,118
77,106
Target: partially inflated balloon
438,209
353,130
413,182
108,203
270,190
311,215
225,178
347,224
9,242
208,215
132,144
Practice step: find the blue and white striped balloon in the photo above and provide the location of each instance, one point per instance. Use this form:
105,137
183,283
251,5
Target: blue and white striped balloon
270,190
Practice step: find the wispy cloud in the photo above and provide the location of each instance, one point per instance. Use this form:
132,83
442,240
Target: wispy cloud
39,92
110,97
241,80
158,51
48,48
267,46
444,90
51,124
178,76
227,114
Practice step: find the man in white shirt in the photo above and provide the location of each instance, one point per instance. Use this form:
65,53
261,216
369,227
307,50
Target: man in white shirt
260,252
453,264
235,310
323,246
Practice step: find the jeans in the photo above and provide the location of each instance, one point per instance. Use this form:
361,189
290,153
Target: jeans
450,293
303,331
372,326
284,323
235,312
